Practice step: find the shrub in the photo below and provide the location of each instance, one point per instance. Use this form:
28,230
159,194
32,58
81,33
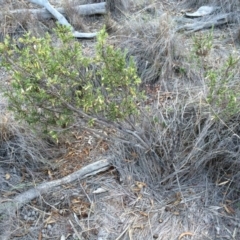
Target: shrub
54,82
223,90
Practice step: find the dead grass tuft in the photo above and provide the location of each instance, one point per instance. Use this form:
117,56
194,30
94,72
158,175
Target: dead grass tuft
17,23
185,185
117,6
110,24
153,44
20,147
73,16
184,140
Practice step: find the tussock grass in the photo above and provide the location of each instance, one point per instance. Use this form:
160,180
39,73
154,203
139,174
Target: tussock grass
154,46
193,148
188,149
20,147
186,134
183,142
114,6
117,6
73,16
15,25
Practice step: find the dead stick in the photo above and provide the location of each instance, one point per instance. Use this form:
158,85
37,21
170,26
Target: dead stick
25,197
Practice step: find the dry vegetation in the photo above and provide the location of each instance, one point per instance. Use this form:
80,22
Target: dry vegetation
183,185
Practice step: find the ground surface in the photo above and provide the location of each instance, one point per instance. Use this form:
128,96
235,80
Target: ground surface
113,204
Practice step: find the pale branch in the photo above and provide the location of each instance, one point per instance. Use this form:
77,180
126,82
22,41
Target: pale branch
61,19
25,197
77,34
214,21
45,3
44,14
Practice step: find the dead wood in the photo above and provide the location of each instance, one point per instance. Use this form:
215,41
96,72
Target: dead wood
214,21
7,206
44,14
60,17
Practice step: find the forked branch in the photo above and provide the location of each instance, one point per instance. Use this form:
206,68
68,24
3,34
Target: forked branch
51,11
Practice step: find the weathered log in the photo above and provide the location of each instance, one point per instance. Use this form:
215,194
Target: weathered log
215,21
25,197
49,12
202,11
44,14
61,19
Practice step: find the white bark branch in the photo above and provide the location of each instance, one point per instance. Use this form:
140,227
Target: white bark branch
44,3
61,19
215,21
25,197
82,10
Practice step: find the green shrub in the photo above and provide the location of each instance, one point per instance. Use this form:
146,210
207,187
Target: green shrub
53,82
202,44
223,90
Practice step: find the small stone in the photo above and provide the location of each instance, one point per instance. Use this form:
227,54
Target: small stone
151,10
33,213
29,214
168,209
49,226
44,235
155,236
25,217
75,236
160,221
234,223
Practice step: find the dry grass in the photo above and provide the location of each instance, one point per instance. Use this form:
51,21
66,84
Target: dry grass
13,24
153,44
184,141
73,16
113,5
25,158
20,147
187,143
17,24
187,182
181,131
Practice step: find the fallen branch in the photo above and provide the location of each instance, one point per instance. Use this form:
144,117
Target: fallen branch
212,22
203,11
25,197
45,3
61,19
43,14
